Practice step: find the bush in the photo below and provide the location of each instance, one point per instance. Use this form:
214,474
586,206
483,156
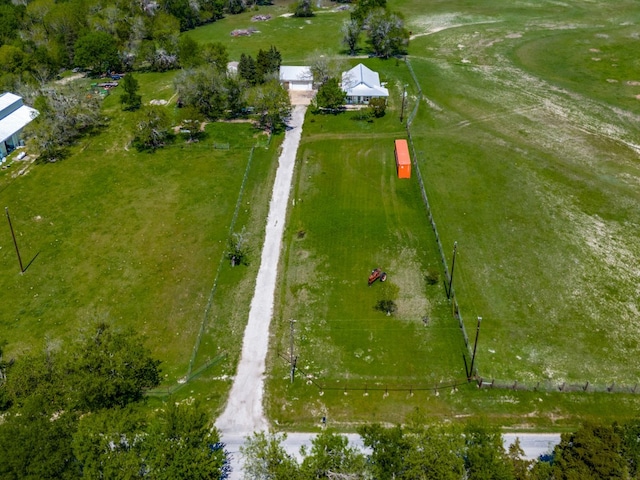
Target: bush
377,107
432,277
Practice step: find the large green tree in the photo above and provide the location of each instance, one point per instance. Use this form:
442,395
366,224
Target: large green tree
268,63
265,458
332,456
152,128
203,88
66,113
236,89
351,34
248,69
364,7
592,452
110,368
36,442
130,99
629,434
108,443
303,8
189,52
484,454
183,444
216,55
97,51
272,104
389,450
330,96
386,33
49,391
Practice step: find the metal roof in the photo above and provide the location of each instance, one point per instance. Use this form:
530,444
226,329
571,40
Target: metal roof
14,119
363,82
296,74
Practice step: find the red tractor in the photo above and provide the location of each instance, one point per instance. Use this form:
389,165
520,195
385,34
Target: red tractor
377,274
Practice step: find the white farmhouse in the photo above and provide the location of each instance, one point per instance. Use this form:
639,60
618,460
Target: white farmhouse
14,116
362,84
296,78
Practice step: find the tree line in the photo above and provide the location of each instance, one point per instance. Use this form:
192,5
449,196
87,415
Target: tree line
475,451
207,91
77,410
73,411
39,38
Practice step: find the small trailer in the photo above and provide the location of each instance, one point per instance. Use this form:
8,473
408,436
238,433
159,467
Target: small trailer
377,274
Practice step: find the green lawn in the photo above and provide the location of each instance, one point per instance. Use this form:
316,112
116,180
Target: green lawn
295,38
349,214
137,239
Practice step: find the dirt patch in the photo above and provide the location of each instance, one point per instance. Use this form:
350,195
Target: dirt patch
301,97
71,78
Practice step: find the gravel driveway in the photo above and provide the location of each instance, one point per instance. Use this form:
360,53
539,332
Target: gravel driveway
243,413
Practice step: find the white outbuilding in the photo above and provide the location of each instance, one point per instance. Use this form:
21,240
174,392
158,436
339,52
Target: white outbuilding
14,116
361,84
296,78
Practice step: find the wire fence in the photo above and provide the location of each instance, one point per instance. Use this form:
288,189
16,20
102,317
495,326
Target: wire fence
455,307
366,386
167,391
551,386
234,219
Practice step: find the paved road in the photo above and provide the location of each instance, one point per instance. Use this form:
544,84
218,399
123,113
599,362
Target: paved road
533,444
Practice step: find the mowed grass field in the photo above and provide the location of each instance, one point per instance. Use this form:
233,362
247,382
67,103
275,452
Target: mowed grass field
296,39
137,240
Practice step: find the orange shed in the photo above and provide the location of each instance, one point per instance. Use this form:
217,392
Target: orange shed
403,159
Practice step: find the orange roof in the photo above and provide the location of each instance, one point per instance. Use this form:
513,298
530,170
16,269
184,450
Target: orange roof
402,153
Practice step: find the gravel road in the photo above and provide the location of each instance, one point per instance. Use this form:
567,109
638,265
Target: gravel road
243,413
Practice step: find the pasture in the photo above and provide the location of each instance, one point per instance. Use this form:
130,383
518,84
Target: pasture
530,153
138,240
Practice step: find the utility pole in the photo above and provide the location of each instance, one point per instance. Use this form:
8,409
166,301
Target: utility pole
292,359
453,264
475,346
404,95
6,209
